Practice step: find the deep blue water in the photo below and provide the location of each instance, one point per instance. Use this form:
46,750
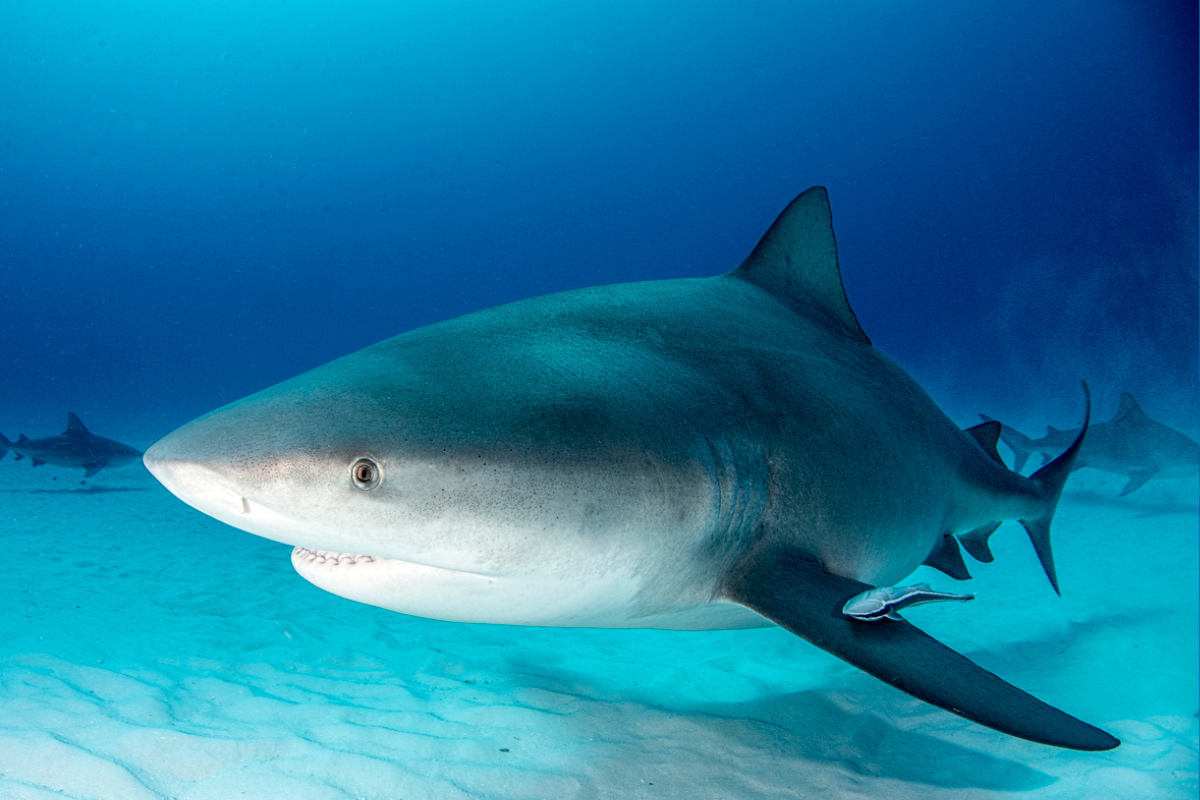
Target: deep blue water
200,199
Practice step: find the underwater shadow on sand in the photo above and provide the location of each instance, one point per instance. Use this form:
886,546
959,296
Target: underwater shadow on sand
1140,508
1073,635
864,744
835,727
820,730
808,733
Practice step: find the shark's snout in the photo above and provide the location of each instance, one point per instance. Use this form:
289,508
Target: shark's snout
241,480
200,485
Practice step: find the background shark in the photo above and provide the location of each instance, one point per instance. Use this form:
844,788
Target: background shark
74,447
1129,444
703,453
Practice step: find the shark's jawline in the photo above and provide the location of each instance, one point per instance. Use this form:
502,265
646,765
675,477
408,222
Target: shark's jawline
333,558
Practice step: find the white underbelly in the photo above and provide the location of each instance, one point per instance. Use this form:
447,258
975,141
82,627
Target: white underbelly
422,591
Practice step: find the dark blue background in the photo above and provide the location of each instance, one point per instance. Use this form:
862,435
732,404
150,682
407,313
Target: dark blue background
198,200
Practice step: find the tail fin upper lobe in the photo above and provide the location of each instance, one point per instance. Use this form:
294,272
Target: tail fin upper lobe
1050,479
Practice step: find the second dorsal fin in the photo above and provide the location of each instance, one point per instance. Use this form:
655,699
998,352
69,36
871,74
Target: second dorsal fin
797,259
987,434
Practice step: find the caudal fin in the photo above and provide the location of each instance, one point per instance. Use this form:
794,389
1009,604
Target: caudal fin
1021,445
4,445
1050,479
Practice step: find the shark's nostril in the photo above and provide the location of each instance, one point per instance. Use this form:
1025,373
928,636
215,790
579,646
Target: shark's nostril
196,483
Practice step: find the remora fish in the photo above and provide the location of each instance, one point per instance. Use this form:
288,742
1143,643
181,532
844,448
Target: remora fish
887,602
74,447
695,454
1129,444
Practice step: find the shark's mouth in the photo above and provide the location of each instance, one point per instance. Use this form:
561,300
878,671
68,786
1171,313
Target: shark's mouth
332,558
304,557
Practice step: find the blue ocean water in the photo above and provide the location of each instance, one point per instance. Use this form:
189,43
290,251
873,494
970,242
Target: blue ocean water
198,200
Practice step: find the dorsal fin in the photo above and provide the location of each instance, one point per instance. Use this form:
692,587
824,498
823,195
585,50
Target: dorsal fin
987,434
1051,430
74,426
797,259
1129,409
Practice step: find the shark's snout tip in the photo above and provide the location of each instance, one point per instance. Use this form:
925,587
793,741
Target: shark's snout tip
197,484
172,465
155,459
162,468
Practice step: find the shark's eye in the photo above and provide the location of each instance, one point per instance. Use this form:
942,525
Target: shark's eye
366,474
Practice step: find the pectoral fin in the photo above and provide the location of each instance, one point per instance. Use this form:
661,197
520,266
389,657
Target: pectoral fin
1137,479
792,589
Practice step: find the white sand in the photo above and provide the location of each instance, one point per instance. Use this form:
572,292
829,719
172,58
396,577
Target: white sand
151,652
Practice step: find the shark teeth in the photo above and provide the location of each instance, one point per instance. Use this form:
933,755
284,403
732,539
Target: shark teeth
329,557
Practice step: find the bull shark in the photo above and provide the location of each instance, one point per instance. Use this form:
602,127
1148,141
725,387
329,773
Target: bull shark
704,453
74,447
1129,444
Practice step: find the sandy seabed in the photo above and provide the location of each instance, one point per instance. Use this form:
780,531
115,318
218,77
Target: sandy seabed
151,652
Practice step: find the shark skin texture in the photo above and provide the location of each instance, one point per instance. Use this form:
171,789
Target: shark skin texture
1130,444
76,446
724,452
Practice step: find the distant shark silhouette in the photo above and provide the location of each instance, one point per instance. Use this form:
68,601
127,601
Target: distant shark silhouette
74,447
1131,444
